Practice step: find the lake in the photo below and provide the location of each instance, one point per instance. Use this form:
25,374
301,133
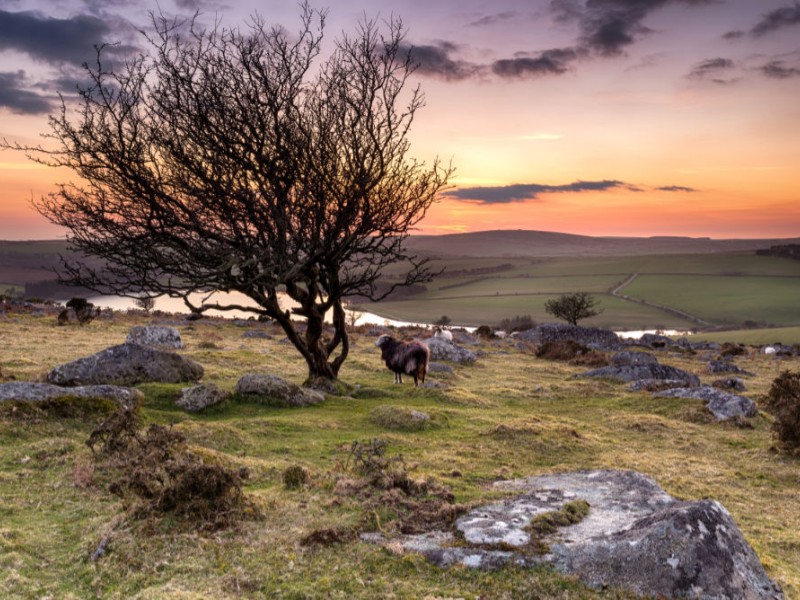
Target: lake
175,305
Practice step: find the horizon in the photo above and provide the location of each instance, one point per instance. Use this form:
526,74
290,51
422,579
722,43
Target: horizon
672,118
484,231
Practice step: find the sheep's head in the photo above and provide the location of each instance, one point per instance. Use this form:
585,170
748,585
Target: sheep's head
383,340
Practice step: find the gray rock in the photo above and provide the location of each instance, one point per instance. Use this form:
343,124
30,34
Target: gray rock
636,537
628,358
656,385
722,365
200,397
730,383
593,337
22,391
274,391
653,340
437,367
156,336
442,349
723,405
127,364
641,366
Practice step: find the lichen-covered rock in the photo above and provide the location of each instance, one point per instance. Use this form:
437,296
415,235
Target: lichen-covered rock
722,365
127,364
593,337
656,385
635,537
442,349
437,367
274,391
723,405
156,336
200,397
635,366
22,391
630,357
730,383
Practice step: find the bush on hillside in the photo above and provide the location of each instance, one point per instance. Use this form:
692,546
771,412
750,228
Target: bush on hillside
783,402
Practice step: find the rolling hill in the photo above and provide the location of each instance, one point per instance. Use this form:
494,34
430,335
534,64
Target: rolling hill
524,243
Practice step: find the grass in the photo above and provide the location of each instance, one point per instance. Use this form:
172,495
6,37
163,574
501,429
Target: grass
722,289
735,298
757,337
510,415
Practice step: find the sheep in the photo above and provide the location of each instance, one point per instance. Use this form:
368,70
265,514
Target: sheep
410,358
445,334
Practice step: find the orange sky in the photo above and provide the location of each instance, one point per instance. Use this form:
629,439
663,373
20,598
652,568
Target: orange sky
690,108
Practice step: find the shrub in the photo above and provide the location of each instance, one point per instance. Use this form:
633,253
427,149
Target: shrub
485,332
517,323
573,307
561,350
155,468
295,477
783,402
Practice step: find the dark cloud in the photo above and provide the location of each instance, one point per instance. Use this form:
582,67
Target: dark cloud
675,188
18,100
494,19
55,41
436,61
712,69
528,191
549,62
777,69
733,35
777,19
522,192
609,26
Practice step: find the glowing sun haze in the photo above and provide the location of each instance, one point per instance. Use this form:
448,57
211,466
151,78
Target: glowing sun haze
597,117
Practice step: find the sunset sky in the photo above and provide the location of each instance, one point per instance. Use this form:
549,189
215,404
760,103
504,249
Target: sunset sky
597,117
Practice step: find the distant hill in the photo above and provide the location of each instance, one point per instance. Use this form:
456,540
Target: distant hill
523,243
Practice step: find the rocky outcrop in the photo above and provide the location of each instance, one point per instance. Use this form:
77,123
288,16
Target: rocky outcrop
599,339
635,366
199,397
127,364
442,349
635,537
156,336
274,391
21,391
723,405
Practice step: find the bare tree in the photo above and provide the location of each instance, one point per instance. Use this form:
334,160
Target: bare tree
238,160
573,307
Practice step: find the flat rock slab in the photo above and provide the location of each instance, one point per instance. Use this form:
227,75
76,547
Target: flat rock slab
274,391
599,339
199,397
21,391
635,366
157,336
127,364
635,536
723,405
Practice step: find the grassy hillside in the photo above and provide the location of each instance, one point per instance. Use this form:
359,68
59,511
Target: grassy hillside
510,415
542,243
712,283
716,289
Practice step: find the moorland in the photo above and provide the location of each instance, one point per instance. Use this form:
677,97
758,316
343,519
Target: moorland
64,534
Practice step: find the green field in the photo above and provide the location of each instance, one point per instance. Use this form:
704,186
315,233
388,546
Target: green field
755,337
724,300
717,289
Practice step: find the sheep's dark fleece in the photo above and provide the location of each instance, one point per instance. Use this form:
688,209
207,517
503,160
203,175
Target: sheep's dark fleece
410,358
